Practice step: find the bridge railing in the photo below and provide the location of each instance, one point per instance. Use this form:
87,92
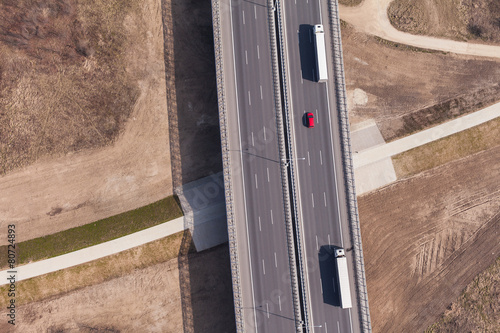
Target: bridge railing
348,166
291,163
226,163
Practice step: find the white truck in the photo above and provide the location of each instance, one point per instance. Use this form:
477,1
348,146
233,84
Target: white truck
319,45
343,279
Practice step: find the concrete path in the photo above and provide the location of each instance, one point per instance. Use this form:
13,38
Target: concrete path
204,207
380,152
95,252
371,17
364,136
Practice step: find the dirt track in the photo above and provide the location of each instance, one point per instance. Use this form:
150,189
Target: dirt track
425,238
85,187
371,17
407,90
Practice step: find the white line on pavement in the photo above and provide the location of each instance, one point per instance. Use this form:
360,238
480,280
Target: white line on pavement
97,251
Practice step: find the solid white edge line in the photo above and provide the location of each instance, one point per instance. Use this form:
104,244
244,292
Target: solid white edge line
334,167
243,170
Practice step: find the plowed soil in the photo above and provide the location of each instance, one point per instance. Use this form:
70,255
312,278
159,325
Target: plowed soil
425,238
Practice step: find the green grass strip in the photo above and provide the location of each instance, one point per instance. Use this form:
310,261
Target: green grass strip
447,149
94,233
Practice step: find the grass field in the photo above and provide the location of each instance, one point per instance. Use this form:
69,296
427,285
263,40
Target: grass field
477,309
462,144
64,84
95,233
462,20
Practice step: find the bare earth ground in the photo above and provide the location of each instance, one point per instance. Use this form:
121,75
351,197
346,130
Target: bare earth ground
93,184
464,20
408,90
147,300
426,237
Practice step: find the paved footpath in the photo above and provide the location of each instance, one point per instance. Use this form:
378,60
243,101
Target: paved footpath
203,204
95,252
380,152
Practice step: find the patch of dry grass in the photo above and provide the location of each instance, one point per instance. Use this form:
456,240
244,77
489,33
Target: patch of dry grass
64,86
462,144
477,309
455,19
350,2
100,270
94,233
439,113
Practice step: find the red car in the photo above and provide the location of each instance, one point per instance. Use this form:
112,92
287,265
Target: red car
309,120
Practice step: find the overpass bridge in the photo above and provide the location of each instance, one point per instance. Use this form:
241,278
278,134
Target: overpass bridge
290,196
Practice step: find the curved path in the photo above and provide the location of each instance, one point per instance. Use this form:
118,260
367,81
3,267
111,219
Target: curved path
371,17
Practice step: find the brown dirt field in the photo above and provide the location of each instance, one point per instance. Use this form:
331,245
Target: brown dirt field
87,186
464,20
409,89
425,238
148,299
477,309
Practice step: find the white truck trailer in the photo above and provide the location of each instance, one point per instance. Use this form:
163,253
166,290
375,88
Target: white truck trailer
343,278
319,44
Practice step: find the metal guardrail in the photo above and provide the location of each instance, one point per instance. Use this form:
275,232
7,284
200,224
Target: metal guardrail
349,167
226,163
284,164
292,160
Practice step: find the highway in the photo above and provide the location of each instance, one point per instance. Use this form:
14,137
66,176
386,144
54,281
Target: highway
263,287
271,304
320,179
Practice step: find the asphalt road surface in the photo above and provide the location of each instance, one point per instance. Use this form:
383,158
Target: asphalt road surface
268,253
319,181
